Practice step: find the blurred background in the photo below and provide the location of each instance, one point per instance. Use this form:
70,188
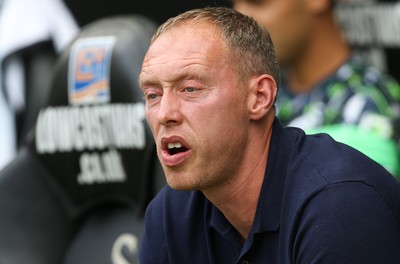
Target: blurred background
372,25
86,11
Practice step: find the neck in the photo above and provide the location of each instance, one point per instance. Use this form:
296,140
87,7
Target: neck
326,51
238,199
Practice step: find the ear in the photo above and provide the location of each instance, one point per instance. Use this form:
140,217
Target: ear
261,97
319,6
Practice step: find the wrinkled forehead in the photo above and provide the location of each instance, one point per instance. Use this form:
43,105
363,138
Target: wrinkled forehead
186,40
183,47
194,28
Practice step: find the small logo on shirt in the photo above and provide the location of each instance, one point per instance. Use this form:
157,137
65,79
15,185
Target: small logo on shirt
89,70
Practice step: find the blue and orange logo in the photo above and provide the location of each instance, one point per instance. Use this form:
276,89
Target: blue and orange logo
89,70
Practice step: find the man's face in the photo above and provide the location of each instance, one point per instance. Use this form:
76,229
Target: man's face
288,22
197,112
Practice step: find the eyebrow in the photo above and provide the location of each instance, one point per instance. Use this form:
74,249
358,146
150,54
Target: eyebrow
248,1
150,81
146,81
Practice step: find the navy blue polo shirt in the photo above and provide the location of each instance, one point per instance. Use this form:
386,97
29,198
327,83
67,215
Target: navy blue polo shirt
321,202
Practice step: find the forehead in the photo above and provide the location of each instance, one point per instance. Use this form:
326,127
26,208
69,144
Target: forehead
267,3
187,38
183,47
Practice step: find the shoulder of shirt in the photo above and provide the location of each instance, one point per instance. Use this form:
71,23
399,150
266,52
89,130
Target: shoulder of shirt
321,156
318,161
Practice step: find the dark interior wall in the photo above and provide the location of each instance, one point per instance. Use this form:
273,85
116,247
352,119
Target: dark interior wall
159,10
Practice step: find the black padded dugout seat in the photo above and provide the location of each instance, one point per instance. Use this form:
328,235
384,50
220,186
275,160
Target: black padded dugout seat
77,190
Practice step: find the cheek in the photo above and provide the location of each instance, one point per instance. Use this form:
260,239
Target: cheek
221,121
222,143
150,119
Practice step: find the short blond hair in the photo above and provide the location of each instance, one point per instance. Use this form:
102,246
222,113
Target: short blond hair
251,51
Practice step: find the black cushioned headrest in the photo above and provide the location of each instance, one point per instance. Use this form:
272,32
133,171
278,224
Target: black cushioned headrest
92,134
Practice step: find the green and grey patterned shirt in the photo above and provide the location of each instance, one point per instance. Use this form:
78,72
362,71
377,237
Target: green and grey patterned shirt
357,105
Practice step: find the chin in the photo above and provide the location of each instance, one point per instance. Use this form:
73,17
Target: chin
180,184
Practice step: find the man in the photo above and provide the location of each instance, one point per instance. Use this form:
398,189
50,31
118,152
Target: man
241,188
325,86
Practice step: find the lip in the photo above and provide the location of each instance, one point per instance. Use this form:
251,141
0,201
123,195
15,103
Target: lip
178,158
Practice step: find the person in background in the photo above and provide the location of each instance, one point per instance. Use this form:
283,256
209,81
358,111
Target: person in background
326,86
241,187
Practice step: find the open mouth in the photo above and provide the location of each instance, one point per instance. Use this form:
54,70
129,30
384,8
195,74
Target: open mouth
175,148
174,151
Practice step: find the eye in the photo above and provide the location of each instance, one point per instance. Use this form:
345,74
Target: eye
150,96
190,89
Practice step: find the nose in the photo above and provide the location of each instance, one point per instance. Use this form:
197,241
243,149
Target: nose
169,109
